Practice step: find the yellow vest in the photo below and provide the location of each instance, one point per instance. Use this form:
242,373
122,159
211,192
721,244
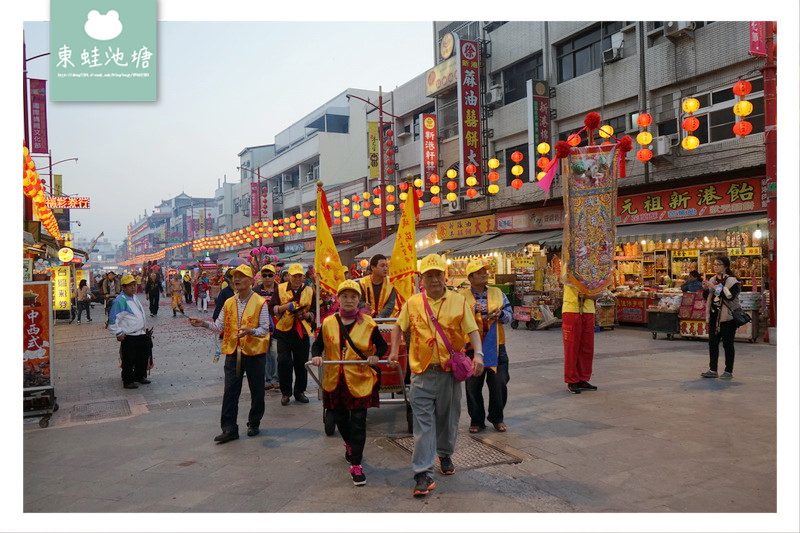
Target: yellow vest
360,379
369,295
248,345
494,299
287,319
571,303
425,339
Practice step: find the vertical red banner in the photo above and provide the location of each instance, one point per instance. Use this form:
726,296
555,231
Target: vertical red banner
38,117
758,39
36,334
469,108
430,148
254,203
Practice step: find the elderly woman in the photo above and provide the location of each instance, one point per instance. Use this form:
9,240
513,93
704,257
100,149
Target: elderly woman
350,389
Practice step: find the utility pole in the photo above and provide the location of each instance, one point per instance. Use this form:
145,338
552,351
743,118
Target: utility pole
383,169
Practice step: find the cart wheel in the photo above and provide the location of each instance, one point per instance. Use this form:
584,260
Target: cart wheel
530,325
655,335
514,324
55,408
330,424
410,419
44,422
669,336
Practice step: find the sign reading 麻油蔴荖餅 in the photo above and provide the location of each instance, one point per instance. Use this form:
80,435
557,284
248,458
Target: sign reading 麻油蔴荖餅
725,198
103,51
469,107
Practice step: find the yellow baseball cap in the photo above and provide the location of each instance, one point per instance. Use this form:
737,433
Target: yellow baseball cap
269,268
474,266
243,269
431,262
349,285
127,278
296,268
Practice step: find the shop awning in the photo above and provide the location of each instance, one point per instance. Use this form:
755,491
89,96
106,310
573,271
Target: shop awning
386,246
507,241
308,255
454,245
672,229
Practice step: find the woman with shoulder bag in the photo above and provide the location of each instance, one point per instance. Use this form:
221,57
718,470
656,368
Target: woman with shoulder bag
722,299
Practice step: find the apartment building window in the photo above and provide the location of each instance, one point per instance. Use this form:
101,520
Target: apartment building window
448,116
236,205
415,127
584,53
716,113
516,76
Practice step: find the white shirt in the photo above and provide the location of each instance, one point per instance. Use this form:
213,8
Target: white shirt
263,318
127,316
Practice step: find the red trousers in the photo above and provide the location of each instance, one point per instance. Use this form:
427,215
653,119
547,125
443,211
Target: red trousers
578,333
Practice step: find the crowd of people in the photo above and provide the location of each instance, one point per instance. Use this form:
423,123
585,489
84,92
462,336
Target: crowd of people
268,330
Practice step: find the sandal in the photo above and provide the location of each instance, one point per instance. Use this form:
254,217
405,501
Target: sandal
499,426
474,429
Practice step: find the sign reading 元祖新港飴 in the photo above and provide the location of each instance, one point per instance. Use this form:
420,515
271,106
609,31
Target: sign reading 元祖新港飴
103,51
714,199
469,108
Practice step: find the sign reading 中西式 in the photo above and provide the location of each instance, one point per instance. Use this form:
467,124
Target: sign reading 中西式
103,51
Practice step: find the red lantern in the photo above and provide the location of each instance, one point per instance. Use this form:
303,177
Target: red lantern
346,210
390,162
742,88
336,221
402,205
420,193
403,186
390,198
356,216
644,120
471,169
377,210
516,157
376,191
472,193
390,171
690,123
305,214
365,205
452,185
336,205
389,133
493,176
389,143
390,152
516,183
574,139
742,128
542,162
435,200
644,155
434,178
355,198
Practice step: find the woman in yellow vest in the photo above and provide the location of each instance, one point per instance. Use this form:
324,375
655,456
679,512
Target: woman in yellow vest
244,323
490,307
349,390
435,394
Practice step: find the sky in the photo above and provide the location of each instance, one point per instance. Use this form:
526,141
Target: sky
222,86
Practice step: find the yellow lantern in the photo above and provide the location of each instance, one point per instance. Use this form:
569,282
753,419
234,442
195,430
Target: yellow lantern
390,207
420,203
390,188
356,207
345,219
472,181
346,201
336,213
451,173
435,189
690,142
365,196
605,131
493,188
517,170
493,163
313,228
451,197
376,201
690,105
418,183
743,108
403,196
312,213
540,175
367,213
644,138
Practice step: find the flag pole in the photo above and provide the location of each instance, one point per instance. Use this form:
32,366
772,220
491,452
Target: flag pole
316,286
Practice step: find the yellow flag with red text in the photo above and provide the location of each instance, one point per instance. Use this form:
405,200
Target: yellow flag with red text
403,263
327,263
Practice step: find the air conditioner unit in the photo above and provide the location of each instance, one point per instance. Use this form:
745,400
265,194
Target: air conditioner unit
662,145
615,52
494,96
457,206
309,176
673,29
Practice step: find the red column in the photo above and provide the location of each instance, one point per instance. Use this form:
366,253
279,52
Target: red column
769,72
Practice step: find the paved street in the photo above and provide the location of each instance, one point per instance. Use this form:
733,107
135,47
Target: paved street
655,437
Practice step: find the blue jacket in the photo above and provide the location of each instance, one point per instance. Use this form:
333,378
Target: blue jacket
693,285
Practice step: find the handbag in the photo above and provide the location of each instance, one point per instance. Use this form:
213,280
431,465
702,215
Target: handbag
202,294
347,338
739,316
459,364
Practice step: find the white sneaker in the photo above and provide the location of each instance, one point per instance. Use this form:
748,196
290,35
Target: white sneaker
726,375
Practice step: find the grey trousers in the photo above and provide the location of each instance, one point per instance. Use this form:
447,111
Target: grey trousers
436,404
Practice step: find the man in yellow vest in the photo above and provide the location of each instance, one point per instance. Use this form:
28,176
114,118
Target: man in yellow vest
577,330
293,306
435,395
492,309
379,296
244,323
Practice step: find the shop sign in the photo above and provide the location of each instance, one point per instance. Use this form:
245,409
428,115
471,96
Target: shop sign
524,262
747,250
714,199
466,227
694,328
66,202
538,114
631,310
758,38
36,334
429,148
38,117
685,253
62,291
27,269
255,208
469,109
531,220
441,77
65,255
293,247
373,150
79,275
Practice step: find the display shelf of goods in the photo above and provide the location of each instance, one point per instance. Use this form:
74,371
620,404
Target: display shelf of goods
458,268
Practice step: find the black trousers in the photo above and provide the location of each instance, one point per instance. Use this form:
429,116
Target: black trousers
135,352
292,355
254,367
352,426
84,306
725,333
498,392
154,303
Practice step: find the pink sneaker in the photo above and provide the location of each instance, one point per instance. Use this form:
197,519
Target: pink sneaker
358,475
348,453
